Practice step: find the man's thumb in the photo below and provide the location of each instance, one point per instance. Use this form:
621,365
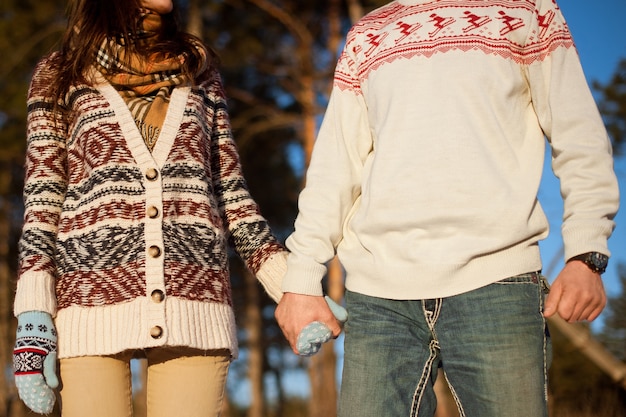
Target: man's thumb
552,301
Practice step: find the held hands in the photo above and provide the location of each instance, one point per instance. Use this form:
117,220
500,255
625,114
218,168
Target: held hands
34,360
299,316
577,294
312,337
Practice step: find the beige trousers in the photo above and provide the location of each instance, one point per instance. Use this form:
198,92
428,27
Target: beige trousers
181,382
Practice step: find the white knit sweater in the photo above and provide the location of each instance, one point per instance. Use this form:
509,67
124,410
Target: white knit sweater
425,173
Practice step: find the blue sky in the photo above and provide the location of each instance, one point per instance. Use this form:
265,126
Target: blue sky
600,36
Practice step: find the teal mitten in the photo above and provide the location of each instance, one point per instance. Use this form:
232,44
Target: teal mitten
312,337
34,360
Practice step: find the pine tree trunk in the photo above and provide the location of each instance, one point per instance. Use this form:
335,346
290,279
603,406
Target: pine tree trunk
322,367
194,19
254,327
355,10
6,315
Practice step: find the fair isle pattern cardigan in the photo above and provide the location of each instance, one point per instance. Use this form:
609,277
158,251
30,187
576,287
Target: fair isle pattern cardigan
127,248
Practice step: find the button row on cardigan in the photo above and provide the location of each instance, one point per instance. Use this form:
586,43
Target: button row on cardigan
156,332
152,174
154,251
152,212
157,296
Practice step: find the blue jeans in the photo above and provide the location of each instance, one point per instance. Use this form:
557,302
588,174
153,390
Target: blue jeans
492,344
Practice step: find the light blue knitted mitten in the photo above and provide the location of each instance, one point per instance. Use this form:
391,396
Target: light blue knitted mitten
34,360
312,337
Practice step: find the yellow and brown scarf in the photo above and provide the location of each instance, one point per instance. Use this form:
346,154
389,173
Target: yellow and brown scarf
145,84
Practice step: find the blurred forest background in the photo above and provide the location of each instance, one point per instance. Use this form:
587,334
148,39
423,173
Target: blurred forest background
278,58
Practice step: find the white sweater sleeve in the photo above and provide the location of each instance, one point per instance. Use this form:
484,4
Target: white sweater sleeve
333,186
581,150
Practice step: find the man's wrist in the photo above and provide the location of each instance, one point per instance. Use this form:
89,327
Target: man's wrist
595,261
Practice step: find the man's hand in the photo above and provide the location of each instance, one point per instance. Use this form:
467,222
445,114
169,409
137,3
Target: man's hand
296,311
577,294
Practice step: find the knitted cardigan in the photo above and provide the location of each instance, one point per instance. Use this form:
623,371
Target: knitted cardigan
127,248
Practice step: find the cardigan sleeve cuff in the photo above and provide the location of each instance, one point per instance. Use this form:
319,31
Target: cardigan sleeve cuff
271,274
35,292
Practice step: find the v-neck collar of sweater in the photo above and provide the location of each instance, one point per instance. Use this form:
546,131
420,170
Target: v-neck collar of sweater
134,140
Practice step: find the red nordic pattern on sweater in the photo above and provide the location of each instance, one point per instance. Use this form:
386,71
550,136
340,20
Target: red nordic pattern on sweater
95,288
118,209
511,29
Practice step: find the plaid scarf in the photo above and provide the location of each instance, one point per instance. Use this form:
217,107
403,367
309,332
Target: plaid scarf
145,84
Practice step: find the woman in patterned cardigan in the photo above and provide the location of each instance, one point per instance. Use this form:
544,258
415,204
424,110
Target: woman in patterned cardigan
133,191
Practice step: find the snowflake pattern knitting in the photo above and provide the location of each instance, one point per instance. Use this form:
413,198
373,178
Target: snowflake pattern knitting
34,357
312,337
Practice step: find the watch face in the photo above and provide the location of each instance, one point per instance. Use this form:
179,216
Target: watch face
599,261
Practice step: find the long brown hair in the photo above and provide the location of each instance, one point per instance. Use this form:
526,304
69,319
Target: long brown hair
90,22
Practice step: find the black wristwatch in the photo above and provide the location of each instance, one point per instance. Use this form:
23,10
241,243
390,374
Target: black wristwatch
596,261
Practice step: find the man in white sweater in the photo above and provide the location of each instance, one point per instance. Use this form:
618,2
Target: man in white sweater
424,182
